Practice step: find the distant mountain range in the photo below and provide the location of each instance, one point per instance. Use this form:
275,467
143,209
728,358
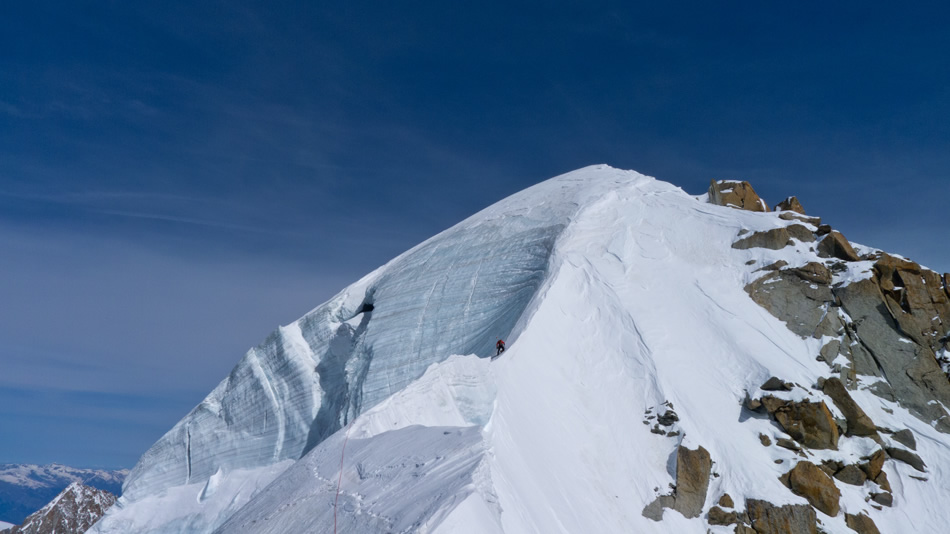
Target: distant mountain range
26,488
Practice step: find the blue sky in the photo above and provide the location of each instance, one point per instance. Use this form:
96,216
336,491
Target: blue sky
179,178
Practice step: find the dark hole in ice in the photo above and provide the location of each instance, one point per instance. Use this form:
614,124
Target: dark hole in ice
367,307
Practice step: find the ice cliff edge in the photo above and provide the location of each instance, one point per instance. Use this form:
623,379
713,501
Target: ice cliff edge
456,293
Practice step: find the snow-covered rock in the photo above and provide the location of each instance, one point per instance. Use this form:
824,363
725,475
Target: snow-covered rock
632,337
25,488
74,510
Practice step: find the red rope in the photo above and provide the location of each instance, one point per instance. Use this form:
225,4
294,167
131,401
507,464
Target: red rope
340,480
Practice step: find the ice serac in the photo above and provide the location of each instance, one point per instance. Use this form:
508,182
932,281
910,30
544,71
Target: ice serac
454,294
632,341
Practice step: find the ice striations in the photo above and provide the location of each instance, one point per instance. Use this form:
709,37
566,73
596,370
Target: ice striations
636,392
454,294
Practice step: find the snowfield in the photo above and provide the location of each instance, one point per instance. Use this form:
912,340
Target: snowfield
620,296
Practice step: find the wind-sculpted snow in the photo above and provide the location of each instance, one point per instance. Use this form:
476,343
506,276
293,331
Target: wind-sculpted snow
621,297
453,294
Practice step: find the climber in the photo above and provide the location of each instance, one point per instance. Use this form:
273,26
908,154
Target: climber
499,347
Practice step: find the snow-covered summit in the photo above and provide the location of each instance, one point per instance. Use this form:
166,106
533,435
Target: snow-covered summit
635,359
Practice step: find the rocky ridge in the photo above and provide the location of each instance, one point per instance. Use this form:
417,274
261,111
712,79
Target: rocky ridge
884,327
76,509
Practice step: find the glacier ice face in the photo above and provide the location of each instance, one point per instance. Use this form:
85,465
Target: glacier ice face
622,297
454,294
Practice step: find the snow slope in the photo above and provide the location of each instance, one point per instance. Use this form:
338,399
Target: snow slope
619,295
4,525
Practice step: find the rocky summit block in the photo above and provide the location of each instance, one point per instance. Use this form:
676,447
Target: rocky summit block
790,204
809,481
735,195
834,245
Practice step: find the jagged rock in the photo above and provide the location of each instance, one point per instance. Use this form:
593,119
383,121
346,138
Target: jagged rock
824,229
874,464
736,195
752,404
726,501
851,474
776,384
914,378
774,239
812,272
830,467
742,529
793,296
881,480
915,298
907,457
829,351
885,499
692,480
764,440
861,524
809,423
790,204
75,509
667,418
834,245
859,424
906,438
766,518
809,481
718,516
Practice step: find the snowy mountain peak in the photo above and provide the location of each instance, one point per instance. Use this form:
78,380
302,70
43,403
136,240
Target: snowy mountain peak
76,509
25,488
673,364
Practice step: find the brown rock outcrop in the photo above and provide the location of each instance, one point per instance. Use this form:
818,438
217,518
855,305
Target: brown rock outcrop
916,298
692,482
859,424
766,518
861,524
809,481
736,195
851,474
834,245
809,423
914,378
790,204
872,468
774,239
718,516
